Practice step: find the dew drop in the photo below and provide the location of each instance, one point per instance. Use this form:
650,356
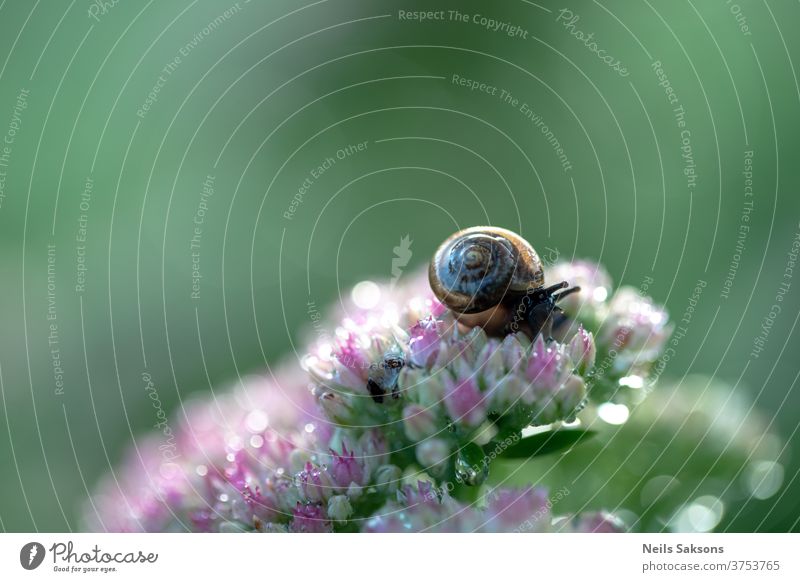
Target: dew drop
471,467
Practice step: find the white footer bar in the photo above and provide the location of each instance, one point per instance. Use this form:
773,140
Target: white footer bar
379,557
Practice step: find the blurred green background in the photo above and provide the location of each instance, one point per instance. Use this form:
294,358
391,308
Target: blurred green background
248,99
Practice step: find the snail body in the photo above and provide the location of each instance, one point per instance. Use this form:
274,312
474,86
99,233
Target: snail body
494,278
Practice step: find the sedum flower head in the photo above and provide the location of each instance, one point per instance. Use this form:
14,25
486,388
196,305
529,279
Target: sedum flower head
421,508
630,331
596,287
454,385
261,458
401,392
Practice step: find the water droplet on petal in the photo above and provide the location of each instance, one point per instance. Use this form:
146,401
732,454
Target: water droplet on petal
471,466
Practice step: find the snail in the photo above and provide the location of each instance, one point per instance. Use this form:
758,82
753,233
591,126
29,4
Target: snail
493,278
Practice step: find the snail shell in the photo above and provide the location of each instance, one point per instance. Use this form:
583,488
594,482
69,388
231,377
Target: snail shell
476,268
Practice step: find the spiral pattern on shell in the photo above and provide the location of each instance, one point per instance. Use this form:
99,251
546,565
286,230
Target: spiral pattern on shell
474,269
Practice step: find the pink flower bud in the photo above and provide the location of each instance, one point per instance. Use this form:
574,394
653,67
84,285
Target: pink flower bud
374,449
433,453
346,469
513,351
510,391
594,281
315,483
425,341
582,350
310,518
524,510
571,396
635,330
337,406
546,368
419,423
464,402
351,355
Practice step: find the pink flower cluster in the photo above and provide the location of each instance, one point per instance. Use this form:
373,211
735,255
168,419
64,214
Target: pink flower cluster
529,510
630,329
400,399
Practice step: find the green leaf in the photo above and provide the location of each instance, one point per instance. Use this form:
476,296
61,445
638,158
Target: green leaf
544,443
